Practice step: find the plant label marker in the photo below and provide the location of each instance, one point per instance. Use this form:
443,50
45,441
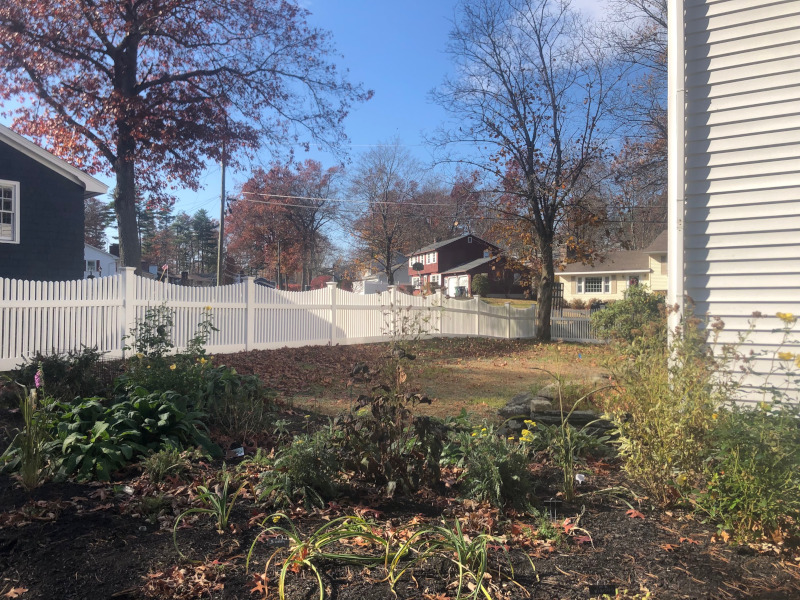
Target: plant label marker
552,505
601,589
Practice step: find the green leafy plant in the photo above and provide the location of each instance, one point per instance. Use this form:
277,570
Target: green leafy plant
663,407
167,461
218,502
205,328
28,452
480,284
302,471
152,334
495,468
94,440
470,555
752,479
304,552
564,442
639,314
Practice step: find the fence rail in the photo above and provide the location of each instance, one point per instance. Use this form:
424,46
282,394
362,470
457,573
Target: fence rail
38,316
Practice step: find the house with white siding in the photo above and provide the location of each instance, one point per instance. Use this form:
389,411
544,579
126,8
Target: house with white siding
734,166
608,279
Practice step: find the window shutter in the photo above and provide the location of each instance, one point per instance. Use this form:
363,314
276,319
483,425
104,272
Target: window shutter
614,285
574,286
664,264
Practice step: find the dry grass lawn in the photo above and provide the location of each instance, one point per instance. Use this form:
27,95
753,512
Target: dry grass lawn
477,375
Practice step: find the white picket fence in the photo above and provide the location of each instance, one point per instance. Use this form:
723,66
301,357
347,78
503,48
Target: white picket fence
60,316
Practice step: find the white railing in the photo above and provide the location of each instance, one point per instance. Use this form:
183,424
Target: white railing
60,316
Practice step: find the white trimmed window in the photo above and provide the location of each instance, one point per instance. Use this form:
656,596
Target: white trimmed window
436,278
594,285
9,212
415,282
606,285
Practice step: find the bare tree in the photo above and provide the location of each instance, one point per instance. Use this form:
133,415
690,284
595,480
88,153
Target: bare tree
531,93
386,183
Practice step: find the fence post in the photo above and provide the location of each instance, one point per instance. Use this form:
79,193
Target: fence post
250,312
393,308
128,304
508,319
477,314
440,310
332,289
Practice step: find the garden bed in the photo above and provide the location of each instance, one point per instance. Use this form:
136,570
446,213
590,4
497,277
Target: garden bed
119,539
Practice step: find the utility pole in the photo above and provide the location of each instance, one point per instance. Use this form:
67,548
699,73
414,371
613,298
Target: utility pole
221,240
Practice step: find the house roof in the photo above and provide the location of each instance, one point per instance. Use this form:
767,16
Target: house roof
91,186
659,245
95,248
443,243
470,265
622,261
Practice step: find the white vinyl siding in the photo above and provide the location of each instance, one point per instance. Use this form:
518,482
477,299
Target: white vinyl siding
741,131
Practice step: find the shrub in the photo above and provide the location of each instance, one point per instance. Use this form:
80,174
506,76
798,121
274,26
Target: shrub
152,334
753,481
76,374
302,471
640,314
480,284
495,468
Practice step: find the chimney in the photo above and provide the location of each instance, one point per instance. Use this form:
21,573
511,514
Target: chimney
113,249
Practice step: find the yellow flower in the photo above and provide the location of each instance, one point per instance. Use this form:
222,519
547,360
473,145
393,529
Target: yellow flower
714,416
511,437
474,434
785,355
173,366
203,361
681,479
139,355
483,429
148,366
787,318
525,431
275,519
763,406
208,308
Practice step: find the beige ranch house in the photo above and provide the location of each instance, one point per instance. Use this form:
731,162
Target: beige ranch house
608,279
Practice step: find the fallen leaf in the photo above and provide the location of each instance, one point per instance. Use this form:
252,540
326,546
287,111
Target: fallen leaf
668,547
15,592
634,514
690,540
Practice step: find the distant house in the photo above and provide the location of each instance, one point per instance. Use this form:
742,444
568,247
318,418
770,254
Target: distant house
451,264
376,281
98,263
608,279
41,212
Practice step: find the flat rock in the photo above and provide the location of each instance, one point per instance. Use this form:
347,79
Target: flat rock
519,405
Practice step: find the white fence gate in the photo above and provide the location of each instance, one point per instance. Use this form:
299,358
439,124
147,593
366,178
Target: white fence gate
37,316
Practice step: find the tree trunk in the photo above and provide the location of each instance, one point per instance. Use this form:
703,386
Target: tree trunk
545,292
125,207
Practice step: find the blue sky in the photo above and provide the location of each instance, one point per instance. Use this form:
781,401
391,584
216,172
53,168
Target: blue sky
396,49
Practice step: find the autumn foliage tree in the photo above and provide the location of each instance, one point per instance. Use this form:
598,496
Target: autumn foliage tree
150,90
280,218
530,96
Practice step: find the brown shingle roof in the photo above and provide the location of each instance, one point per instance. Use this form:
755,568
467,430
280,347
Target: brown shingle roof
659,245
622,260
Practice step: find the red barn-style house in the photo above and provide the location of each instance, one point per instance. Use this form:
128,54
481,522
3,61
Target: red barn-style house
451,265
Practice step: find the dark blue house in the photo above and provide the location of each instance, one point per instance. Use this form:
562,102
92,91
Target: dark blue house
41,212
